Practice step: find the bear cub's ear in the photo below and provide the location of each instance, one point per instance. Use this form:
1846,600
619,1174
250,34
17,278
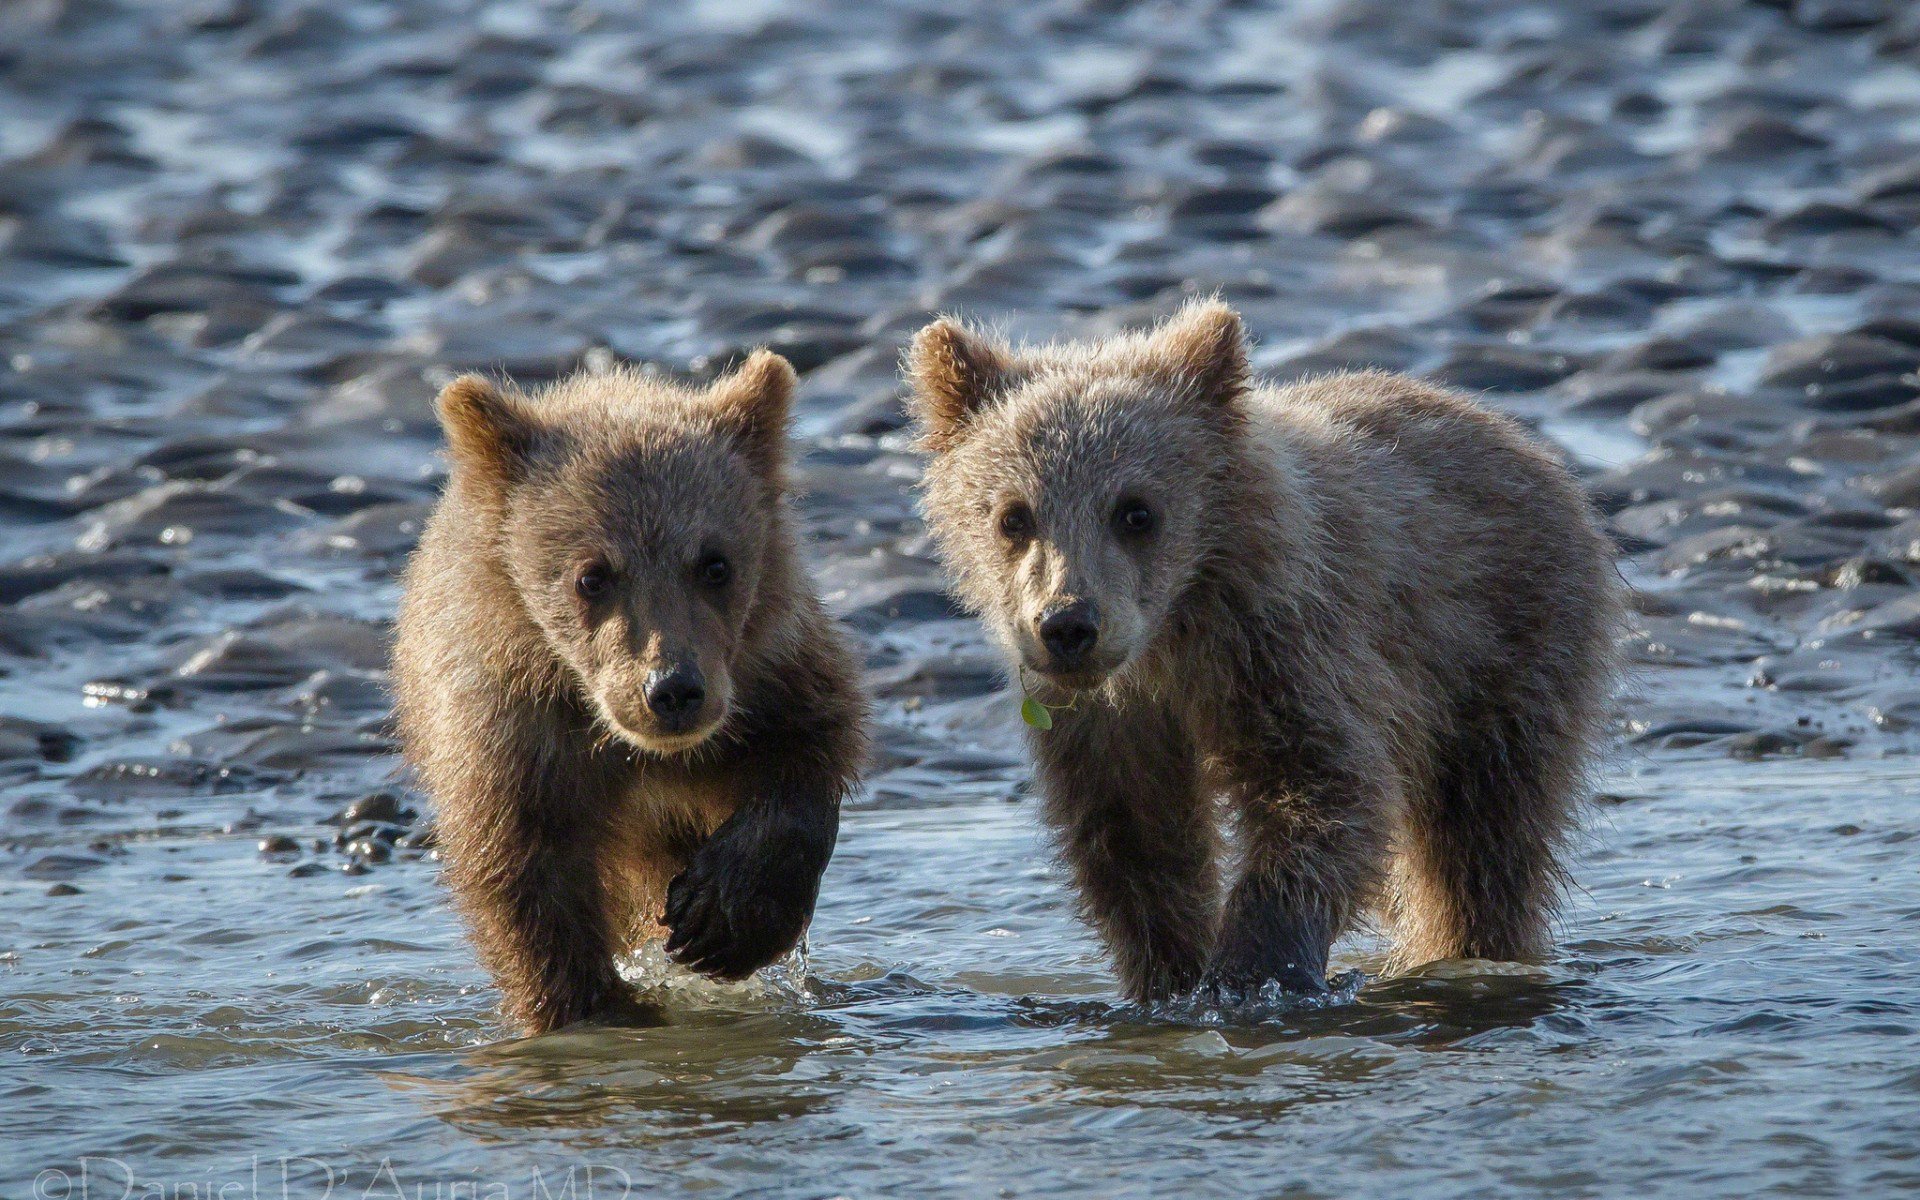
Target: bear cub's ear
753,403
488,433
1203,351
953,372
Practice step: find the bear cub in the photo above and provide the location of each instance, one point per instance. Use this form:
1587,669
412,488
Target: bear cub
1365,619
616,682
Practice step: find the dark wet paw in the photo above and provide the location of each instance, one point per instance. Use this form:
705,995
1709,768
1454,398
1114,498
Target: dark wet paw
1230,984
725,921
1265,948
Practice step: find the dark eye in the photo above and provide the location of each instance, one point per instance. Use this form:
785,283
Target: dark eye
715,571
1133,516
1016,523
594,581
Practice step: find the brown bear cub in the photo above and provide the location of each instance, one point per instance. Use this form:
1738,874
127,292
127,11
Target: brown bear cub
618,685
1371,617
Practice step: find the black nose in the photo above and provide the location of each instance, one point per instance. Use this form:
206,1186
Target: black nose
1069,633
675,696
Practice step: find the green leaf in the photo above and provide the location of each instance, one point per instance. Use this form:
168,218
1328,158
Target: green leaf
1035,714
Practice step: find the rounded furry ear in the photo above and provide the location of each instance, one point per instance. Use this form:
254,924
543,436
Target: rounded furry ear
953,373
753,402
488,433
1204,347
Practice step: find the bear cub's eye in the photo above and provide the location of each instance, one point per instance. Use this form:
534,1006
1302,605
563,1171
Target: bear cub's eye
594,581
715,570
1016,523
1133,517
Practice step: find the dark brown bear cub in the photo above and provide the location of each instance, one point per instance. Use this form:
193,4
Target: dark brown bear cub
618,685
1372,618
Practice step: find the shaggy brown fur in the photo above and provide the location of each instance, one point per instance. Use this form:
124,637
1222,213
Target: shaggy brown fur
618,685
1371,616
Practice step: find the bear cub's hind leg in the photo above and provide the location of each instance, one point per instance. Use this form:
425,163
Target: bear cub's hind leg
1479,875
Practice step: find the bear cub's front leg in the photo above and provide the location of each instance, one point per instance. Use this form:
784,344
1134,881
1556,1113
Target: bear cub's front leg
618,685
748,892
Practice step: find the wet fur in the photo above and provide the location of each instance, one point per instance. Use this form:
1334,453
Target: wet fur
565,844
1379,635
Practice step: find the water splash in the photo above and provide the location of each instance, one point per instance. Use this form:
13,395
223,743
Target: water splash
1272,1004
658,978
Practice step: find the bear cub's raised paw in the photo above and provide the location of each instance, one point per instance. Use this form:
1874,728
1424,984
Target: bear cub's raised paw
741,903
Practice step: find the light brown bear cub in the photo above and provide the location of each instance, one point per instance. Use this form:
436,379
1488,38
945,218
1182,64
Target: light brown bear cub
1372,617
616,682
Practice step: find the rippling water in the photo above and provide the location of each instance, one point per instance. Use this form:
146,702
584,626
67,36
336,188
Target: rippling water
1733,1013
242,240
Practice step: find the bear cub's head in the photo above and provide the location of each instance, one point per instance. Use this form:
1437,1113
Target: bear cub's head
637,522
1067,485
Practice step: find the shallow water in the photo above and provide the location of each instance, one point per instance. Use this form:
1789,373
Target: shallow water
1733,1013
242,240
